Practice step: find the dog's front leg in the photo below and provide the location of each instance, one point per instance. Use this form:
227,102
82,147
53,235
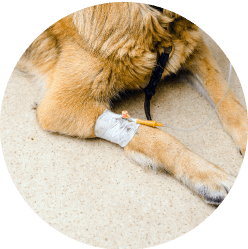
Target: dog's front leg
232,114
67,114
155,148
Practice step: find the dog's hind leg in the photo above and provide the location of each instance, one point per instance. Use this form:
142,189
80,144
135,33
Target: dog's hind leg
232,114
155,148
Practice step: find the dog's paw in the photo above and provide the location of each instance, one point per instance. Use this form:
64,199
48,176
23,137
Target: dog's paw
236,124
206,179
215,193
240,138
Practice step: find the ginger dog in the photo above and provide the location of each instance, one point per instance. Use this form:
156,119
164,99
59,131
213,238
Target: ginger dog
90,56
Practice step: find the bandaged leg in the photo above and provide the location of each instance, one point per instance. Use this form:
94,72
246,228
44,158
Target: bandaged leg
114,128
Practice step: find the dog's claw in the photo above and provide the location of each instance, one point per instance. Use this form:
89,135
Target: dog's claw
227,190
240,152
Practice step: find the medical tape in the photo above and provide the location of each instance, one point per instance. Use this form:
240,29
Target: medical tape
114,128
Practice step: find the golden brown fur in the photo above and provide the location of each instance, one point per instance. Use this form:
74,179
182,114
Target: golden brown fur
89,57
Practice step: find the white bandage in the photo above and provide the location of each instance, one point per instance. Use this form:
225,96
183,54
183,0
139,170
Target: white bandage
114,128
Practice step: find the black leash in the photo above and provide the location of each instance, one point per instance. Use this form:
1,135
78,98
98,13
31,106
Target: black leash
155,78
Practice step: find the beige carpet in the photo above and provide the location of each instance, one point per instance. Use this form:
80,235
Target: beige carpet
89,191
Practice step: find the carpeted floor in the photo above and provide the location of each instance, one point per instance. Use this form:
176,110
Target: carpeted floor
89,191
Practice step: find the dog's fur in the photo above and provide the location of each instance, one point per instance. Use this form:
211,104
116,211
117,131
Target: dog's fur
89,57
